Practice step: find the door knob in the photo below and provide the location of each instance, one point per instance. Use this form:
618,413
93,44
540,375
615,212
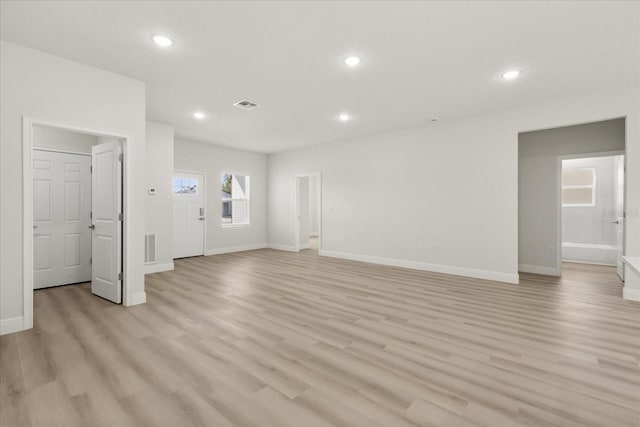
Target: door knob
201,218
92,227
616,222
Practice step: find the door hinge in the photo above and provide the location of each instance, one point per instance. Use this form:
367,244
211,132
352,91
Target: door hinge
90,169
120,276
120,217
120,157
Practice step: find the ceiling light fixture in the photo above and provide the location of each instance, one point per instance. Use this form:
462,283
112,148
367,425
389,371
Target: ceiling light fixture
344,117
352,61
199,115
162,41
511,74
434,119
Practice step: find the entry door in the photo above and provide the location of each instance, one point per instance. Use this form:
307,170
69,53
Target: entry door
619,222
106,205
188,215
61,209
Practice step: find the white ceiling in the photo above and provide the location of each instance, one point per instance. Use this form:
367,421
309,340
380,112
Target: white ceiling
419,59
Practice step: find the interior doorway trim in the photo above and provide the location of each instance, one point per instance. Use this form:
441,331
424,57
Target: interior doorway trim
318,175
27,210
559,159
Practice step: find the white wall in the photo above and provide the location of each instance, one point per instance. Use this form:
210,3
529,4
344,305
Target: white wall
159,207
59,139
593,224
53,89
539,184
457,182
213,161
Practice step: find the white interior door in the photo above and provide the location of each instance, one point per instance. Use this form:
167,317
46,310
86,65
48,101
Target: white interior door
188,214
61,209
619,200
106,206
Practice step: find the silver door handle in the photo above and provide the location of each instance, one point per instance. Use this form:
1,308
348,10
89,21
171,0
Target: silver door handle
92,227
201,218
616,222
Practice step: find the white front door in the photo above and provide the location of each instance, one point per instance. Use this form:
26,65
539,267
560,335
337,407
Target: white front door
61,209
188,214
619,200
106,206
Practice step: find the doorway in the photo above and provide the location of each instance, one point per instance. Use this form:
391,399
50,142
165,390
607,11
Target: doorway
592,191
308,224
553,224
189,219
76,211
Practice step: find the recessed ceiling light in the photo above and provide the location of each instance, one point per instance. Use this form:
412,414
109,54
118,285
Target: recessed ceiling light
199,115
344,117
162,41
511,74
352,61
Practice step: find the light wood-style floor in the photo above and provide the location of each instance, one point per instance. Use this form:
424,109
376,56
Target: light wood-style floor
268,338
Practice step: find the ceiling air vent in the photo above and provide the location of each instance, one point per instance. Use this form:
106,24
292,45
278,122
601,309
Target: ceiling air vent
245,105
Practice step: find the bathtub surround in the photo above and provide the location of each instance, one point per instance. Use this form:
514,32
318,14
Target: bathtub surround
589,232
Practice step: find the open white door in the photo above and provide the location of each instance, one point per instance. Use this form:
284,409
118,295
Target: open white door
106,207
619,200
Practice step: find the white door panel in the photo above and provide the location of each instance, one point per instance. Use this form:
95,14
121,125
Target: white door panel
619,200
106,204
61,209
188,215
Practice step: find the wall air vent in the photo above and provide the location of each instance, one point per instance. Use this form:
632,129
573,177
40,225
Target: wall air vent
245,105
149,248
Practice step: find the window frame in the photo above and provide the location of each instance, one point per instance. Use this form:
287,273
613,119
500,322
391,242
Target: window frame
591,186
247,199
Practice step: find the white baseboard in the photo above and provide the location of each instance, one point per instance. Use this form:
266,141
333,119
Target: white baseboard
631,294
577,261
538,269
11,325
419,265
138,298
231,249
282,247
158,268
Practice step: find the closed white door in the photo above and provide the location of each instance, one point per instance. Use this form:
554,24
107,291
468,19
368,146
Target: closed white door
106,204
619,222
188,215
61,209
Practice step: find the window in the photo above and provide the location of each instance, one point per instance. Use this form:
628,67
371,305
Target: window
578,187
183,185
235,199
